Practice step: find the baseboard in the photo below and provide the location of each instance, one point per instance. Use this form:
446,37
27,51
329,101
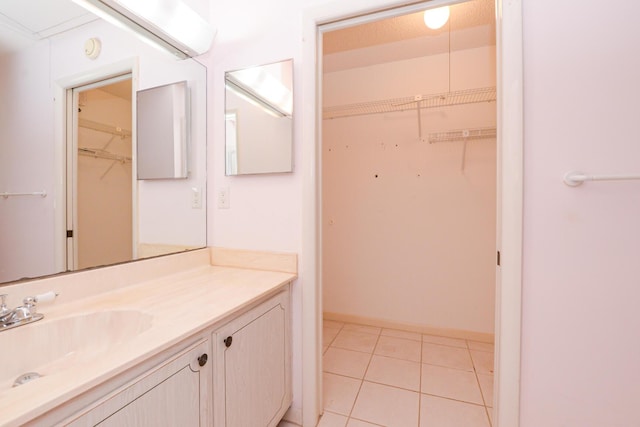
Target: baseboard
382,323
293,416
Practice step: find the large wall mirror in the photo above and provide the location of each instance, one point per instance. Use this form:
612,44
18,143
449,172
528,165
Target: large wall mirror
259,119
69,193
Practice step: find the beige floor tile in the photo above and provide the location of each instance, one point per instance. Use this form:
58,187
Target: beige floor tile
356,341
362,328
394,372
345,362
490,413
339,393
486,386
482,346
357,423
451,383
401,334
452,342
329,419
451,357
388,406
439,412
398,348
328,335
287,424
482,361
332,324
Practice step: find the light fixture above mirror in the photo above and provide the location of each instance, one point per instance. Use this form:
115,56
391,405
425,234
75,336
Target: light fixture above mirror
169,24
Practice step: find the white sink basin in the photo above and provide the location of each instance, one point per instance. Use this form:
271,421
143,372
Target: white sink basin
49,346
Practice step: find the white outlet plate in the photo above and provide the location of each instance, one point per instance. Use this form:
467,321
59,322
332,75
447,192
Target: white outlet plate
223,198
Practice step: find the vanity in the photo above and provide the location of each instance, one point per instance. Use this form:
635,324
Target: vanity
200,338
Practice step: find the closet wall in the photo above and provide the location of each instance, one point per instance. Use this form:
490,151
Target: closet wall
409,226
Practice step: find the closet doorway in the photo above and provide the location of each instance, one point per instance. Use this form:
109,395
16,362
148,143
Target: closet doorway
100,190
409,188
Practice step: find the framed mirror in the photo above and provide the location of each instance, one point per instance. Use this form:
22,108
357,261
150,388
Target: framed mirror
68,117
259,119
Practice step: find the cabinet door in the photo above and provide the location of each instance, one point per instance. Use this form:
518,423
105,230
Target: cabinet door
252,374
171,394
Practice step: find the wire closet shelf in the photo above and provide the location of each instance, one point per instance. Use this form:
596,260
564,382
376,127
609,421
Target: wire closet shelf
446,99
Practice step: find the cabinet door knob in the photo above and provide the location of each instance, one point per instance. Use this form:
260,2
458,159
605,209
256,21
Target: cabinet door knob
228,340
202,360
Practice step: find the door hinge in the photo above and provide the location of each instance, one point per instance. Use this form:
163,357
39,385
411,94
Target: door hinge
498,258
69,233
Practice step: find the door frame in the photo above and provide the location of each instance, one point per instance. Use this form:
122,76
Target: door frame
509,80
63,129
72,110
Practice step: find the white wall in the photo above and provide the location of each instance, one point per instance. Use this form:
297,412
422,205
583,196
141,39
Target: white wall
265,210
408,231
580,320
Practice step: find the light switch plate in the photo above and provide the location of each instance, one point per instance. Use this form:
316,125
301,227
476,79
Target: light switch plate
223,198
196,198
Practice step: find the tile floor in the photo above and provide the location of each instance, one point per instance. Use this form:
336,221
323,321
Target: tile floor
385,377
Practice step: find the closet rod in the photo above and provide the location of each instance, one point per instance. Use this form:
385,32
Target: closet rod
573,178
6,195
101,127
463,135
97,153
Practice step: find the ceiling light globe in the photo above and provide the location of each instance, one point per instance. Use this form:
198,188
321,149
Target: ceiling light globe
436,18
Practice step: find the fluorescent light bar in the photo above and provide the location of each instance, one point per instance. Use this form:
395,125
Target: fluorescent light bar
170,24
254,98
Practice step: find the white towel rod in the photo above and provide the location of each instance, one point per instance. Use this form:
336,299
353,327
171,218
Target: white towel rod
574,179
34,193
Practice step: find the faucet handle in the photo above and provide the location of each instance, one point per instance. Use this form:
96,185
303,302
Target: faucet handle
30,302
3,303
45,297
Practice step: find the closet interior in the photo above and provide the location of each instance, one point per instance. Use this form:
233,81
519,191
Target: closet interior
409,173
104,175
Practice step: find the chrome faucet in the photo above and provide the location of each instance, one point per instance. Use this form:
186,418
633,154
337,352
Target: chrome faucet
24,314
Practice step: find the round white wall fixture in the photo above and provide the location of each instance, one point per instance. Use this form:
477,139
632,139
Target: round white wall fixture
92,47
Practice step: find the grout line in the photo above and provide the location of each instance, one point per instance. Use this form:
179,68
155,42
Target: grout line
364,421
420,381
486,409
334,338
484,401
363,377
454,400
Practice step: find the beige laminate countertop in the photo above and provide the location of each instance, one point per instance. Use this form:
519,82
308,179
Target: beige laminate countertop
181,305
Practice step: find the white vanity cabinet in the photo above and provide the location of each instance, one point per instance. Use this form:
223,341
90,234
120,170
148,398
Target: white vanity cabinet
234,373
252,371
174,393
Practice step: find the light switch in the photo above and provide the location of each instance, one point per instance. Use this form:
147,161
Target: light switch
223,198
196,198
